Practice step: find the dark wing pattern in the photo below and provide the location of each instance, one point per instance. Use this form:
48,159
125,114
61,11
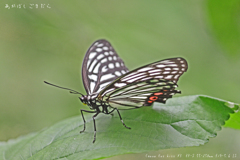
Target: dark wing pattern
142,86
101,66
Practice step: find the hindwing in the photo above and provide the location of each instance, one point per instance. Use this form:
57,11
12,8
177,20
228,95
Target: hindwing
155,82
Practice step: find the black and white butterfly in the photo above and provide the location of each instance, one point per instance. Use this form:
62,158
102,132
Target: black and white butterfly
110,86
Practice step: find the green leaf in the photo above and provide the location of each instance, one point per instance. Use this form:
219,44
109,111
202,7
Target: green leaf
234,121
181,122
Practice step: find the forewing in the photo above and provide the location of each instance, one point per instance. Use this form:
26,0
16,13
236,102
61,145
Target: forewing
168,69
101,66
143,86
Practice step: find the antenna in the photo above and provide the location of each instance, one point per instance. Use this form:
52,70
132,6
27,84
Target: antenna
70,90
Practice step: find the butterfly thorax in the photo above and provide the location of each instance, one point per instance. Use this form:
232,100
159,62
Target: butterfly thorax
96,104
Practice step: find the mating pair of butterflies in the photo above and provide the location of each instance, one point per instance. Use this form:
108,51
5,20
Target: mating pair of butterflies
111,86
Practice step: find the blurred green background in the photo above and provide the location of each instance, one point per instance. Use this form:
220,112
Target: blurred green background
49,44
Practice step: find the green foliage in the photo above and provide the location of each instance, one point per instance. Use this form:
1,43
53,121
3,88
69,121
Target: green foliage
49,44
224,18
181,122
234,121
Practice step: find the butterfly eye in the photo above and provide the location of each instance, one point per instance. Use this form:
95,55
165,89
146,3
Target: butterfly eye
83,100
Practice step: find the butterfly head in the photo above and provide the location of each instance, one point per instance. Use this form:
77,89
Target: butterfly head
89,100
84,99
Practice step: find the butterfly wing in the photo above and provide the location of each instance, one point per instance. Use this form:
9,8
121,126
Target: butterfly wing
101,66
140,94
144,85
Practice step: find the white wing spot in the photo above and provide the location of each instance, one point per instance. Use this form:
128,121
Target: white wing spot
92,65
92,85
123,72
129,76
118,73
92,54
122,64
100,56
104,69
105,48
160,65
144,69
176,76
100,45
104,60
165,61
179,59
93,77
106,53
176,69
110,65
135,79
111,52
152,74
103,85
183,69
99,49
88,63
117,64
172,65
169,77
159,77
109,58
132,75
155,70
174,72
167,69
96,68
107,76
147,94
166,72
115,58
139,97
119,84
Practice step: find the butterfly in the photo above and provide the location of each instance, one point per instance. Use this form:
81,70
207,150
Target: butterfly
110,86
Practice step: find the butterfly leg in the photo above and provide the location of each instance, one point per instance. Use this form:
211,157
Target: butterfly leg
95,130
84,125
121,119
111,113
